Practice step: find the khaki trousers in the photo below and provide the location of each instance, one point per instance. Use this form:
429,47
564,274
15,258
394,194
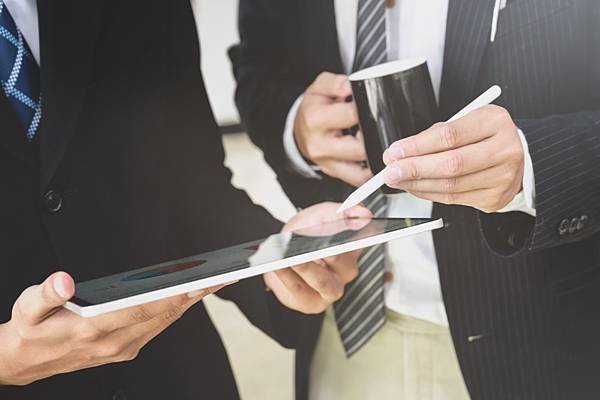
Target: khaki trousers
408,359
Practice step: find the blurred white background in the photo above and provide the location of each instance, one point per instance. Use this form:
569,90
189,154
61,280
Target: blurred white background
217,25
262,368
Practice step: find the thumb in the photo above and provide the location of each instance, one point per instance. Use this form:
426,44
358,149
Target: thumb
38,302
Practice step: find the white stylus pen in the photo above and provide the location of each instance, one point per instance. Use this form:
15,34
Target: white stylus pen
499,5
378,180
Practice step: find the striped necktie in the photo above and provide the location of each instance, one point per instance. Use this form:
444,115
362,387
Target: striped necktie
360,313
19,74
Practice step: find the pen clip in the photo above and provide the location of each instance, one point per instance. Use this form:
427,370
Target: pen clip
499,5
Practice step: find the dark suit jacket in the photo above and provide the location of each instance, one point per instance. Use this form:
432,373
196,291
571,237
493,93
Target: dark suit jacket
522,299
129,143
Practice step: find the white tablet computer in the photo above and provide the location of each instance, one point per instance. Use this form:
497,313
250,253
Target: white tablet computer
246,260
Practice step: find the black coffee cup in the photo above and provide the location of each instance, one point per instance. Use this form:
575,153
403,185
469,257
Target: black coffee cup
394,100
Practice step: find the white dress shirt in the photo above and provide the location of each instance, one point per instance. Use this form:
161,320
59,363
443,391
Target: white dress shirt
25,15
415,28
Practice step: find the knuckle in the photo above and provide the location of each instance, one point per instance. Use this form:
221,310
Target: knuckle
338,80
303,269
317,307
313,150
298,288
308,119
324,286
352,274
413,172
509,176
455,165
448,136
141,315
129,354
178,301
450,185
325,76
517,151
173,314
111,350
449,198
498,114
338,292
352,112
88,332
334,260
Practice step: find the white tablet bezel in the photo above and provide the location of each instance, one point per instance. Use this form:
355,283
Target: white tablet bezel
98,309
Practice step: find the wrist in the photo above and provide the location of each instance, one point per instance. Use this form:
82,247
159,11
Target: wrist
5,373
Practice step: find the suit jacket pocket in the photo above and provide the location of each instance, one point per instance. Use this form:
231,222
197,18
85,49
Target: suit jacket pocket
521,14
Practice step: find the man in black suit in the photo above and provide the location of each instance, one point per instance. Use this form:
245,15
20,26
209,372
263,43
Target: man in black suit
520,289
110,159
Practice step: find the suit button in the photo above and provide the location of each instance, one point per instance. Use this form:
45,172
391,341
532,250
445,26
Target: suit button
563,228
573,225
53,201
582,221
119,395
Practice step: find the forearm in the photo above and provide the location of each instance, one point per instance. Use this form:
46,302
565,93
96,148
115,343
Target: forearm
264,103
565,150
265,312
4,364
263,98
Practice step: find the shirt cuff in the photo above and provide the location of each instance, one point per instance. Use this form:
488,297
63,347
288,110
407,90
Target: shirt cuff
296,160
524,201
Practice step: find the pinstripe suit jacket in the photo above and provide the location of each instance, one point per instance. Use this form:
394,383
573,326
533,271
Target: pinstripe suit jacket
521,293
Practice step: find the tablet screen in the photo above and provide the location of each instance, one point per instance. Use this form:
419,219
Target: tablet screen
249,255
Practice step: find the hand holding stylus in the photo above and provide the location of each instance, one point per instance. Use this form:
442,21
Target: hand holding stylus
476,161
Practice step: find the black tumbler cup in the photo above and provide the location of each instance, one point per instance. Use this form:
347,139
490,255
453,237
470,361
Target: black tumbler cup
394,100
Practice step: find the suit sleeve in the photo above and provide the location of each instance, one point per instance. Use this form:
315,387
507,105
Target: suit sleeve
565,150
237,220
268,85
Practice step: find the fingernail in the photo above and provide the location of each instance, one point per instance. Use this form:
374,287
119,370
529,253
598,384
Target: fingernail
59,287
396,151
393,173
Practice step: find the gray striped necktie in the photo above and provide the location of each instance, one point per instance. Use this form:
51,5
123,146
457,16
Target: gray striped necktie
361,312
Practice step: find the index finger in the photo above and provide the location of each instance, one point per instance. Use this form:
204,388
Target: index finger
331,85
145,312
439,138
345,148
449,164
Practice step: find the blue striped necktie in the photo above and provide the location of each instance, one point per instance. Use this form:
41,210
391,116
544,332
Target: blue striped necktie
19,74
360,313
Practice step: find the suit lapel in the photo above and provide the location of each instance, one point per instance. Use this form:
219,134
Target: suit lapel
68,31
467,37
321,34
12,134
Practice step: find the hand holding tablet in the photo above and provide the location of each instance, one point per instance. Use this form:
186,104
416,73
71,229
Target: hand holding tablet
42,339
313,286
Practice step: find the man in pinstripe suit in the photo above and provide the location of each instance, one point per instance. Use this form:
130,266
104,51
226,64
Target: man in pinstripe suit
520,289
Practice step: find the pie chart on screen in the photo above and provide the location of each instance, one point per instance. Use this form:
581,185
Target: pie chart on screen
161,271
